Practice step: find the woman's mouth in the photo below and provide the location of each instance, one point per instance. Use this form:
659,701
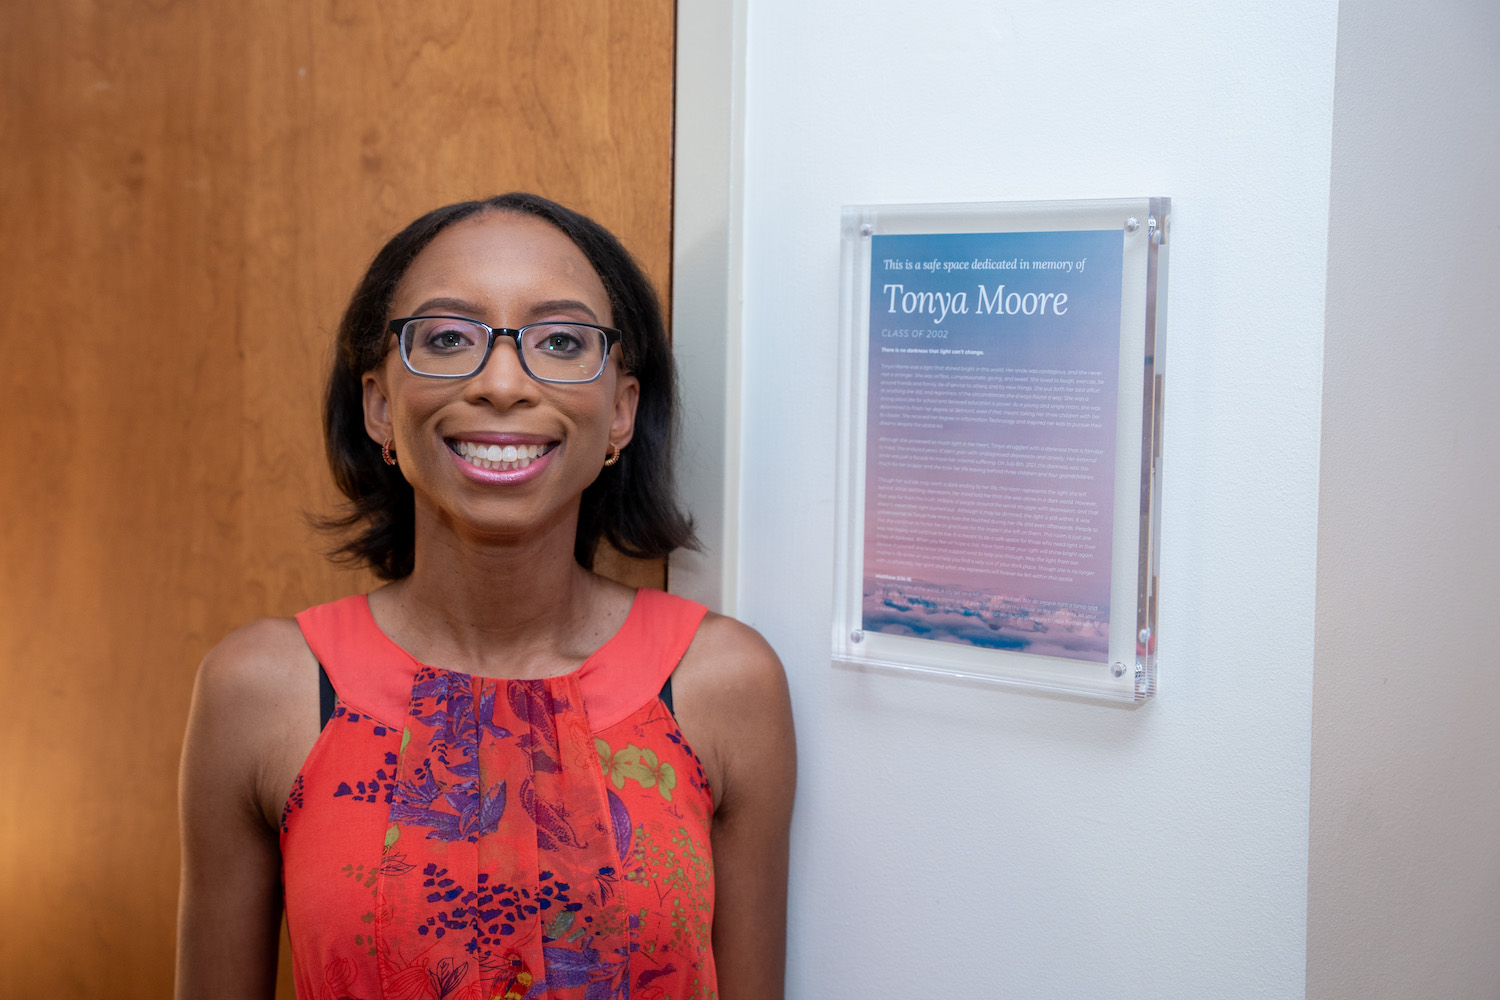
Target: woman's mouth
499,457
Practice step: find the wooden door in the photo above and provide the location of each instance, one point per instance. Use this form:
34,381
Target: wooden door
190,190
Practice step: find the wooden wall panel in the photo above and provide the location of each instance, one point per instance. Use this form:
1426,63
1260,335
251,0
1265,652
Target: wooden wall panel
190,190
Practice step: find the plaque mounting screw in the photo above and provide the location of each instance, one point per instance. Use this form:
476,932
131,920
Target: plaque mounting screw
1118,669
866,230
1131,225
1144,635
856,636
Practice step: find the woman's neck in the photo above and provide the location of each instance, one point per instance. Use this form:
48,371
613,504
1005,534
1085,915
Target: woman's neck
513,607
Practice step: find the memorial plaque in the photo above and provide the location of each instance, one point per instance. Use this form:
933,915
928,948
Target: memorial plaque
999,442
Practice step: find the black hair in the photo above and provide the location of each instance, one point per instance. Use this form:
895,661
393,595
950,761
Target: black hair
633,504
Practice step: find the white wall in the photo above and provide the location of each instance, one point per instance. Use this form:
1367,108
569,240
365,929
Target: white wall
1404,894
953,840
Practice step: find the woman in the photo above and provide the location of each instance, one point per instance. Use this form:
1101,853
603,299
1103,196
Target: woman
525,780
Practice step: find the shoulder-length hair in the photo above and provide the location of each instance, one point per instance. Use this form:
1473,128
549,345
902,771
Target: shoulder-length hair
633,505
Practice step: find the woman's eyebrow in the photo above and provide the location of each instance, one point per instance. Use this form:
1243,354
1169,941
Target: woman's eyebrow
563,305
464,307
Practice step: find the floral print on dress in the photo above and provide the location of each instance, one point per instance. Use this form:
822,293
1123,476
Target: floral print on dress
494,846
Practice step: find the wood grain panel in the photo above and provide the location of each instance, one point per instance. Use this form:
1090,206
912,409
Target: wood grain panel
191,190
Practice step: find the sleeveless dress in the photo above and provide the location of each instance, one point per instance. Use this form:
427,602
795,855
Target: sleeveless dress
453,837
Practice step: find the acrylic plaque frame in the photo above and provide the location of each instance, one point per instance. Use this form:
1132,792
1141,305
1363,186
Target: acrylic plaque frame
1000,419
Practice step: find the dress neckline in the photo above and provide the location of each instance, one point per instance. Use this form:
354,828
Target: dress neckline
384,639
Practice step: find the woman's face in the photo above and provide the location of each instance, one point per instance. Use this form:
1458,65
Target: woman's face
505,270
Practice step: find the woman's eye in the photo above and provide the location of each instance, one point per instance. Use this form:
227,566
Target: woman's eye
448,338
559,340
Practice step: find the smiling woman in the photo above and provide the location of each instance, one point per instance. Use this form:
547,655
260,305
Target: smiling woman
525,780
634,509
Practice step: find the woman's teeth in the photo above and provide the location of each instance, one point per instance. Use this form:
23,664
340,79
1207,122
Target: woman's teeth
502,457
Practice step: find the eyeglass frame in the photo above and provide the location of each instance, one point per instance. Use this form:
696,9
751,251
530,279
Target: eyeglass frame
611,338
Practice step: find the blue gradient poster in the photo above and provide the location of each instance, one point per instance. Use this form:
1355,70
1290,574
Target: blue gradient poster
990,446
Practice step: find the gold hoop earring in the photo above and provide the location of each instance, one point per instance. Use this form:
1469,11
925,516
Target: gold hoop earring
385,452
614,455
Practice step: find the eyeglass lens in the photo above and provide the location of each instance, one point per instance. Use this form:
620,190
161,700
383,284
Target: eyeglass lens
558,352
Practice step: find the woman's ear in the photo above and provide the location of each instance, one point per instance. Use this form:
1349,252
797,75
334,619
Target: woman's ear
377,406
622,424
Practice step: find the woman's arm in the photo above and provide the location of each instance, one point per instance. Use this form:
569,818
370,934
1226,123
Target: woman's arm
731,692
245,716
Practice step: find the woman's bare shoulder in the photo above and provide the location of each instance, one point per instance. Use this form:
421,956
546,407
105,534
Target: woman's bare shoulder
732,702
258,665
734,708
239,758
731,652
254,717
265,639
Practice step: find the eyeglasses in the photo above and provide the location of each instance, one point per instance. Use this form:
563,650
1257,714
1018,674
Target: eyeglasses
456,347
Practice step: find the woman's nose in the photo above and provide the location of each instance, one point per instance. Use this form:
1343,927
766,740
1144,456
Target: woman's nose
503,381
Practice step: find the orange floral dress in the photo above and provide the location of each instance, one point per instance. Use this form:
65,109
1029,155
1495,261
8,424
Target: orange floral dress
453,836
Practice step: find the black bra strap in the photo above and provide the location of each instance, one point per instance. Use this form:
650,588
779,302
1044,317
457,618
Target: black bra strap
325,698
666,694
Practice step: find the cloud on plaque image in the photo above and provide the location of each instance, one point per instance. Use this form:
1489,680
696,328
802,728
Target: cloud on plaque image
1000,622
